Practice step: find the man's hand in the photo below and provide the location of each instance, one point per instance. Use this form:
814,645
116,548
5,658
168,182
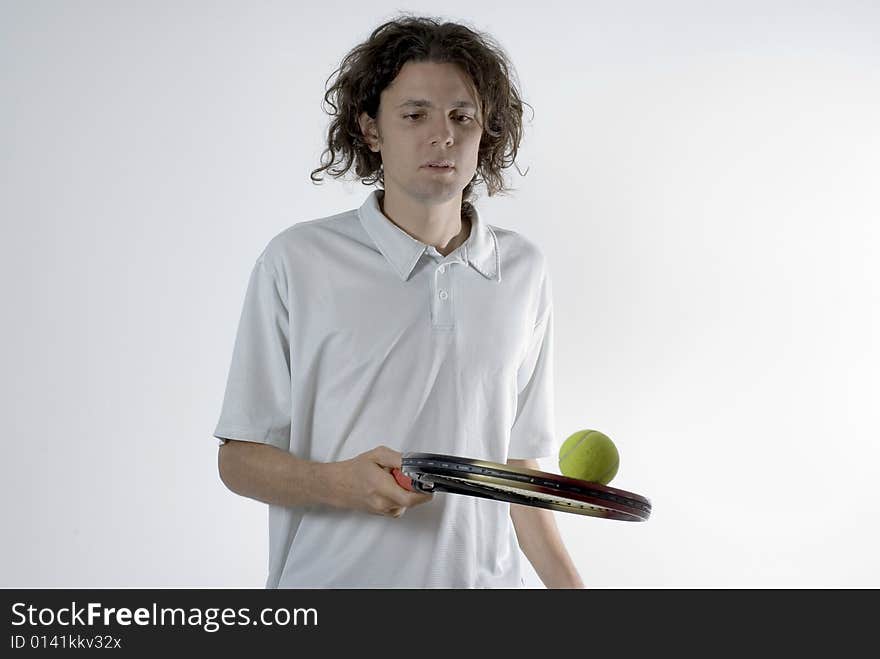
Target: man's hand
365,483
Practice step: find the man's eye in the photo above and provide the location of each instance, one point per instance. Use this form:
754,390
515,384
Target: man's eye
460,117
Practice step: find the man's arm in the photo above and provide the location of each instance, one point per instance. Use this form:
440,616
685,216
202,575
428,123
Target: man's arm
539,539
268,474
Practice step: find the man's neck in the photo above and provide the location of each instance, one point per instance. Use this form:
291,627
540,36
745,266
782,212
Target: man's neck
441,226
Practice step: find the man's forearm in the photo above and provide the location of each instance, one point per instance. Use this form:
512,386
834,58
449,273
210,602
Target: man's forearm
268,474
539,539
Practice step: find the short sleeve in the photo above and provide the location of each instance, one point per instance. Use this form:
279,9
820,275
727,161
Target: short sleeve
533,434
256,405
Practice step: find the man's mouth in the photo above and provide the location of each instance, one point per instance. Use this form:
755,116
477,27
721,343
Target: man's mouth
440,164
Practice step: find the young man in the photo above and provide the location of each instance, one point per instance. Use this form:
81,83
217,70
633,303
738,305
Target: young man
389,328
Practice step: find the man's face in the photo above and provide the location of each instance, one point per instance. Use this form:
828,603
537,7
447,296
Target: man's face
410,134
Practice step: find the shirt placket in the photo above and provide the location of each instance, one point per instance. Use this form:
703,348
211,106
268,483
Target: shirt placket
442,300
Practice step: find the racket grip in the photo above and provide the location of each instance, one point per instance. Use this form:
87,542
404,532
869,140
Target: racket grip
404,481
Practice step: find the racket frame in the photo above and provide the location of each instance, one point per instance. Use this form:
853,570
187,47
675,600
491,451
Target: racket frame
431,472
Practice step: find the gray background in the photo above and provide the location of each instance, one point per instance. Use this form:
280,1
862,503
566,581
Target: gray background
702,178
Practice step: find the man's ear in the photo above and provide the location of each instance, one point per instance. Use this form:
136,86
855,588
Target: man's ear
369,131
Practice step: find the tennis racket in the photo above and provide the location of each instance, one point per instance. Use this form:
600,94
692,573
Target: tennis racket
433,472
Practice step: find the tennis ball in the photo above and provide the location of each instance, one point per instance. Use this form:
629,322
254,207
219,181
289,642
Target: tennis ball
590,456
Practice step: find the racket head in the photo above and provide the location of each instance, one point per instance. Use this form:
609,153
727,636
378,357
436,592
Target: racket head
436,472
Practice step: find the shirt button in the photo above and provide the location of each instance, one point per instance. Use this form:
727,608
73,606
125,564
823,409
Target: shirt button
442,269
443,295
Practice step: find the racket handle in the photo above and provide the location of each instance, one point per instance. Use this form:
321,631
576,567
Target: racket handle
404,481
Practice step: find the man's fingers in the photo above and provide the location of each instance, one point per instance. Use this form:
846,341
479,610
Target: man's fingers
387,457
421,498
406,499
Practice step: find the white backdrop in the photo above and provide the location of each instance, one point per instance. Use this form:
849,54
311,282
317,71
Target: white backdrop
703,178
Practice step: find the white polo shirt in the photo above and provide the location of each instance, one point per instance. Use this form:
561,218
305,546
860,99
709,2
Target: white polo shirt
354,334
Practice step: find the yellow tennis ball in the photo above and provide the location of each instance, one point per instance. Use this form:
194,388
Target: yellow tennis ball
590,456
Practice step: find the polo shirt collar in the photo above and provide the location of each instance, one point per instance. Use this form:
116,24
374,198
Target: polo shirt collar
402,251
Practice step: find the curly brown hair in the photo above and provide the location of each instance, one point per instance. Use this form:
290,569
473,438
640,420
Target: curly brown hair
372,65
